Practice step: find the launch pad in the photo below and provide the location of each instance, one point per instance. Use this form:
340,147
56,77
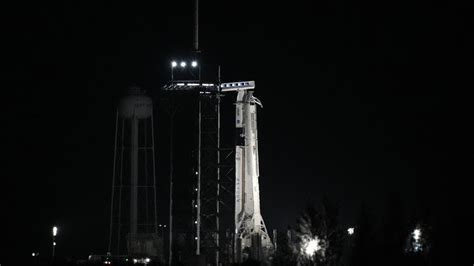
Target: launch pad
233,170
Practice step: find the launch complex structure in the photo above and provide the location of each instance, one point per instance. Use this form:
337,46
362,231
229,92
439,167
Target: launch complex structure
249,239
219,193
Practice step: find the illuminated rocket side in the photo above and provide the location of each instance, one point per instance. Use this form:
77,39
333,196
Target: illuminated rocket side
251,237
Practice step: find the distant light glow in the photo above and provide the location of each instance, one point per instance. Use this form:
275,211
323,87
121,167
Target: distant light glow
311,247
147,260
350,230
174,64
135,261
194,64
417,234
416,242
54,243
183,64
55,231
33,254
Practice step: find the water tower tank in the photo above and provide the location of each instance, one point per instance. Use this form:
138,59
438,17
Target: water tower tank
137,104
133,220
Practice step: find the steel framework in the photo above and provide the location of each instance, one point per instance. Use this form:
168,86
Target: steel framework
214,176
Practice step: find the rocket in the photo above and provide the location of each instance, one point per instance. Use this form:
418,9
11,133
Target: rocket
251,236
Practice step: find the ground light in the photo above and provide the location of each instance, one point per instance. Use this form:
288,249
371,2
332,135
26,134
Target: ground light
55,233
417,237
312,246
350,230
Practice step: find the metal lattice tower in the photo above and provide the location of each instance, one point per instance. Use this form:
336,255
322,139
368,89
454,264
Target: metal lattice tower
214,184
213,176
208,175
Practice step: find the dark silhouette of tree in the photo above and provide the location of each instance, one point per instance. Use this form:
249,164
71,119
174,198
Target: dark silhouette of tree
394,233
334,233
251,262
364,245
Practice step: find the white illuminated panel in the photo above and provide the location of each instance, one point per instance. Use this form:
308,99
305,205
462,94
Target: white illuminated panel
238,85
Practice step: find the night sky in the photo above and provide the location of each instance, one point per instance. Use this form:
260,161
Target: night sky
363,101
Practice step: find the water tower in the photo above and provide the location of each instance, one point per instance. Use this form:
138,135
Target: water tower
133,218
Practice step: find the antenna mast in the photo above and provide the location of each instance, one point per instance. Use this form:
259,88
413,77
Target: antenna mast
196,26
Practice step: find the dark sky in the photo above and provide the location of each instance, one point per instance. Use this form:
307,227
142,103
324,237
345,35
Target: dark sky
362,100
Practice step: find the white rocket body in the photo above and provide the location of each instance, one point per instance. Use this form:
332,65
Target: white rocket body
251,233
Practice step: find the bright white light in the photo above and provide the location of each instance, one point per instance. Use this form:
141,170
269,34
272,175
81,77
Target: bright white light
350,230
54,243
417,234
194,64
135,261
55,231
147,260
183,64
174,64
33,254
416,244
312,247
196,238
195,222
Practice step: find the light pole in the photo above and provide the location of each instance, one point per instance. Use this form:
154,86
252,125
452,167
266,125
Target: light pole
55,232
36,258
173,65
170,251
